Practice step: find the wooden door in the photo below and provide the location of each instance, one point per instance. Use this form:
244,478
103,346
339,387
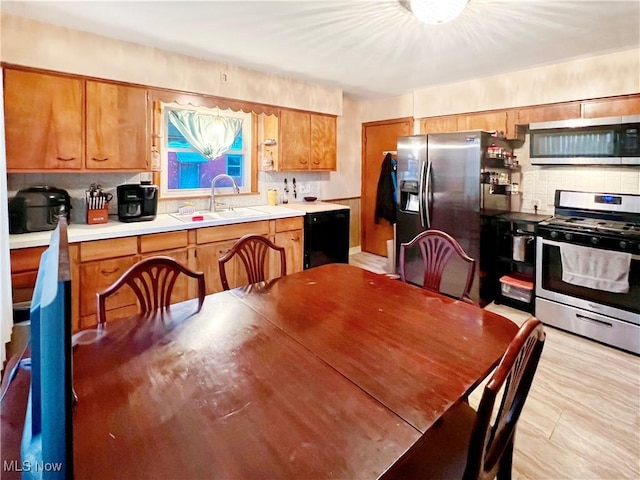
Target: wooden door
377,137
43,121
323,142
295,137
116,127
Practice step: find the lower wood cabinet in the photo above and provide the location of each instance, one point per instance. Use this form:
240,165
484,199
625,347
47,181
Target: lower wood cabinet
101,263
98,264
288,235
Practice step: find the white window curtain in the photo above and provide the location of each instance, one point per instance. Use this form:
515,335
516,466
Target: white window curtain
211,135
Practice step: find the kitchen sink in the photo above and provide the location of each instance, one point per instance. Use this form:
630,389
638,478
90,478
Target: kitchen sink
240,212
243,212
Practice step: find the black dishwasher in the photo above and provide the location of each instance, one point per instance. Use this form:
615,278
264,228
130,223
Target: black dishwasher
326,238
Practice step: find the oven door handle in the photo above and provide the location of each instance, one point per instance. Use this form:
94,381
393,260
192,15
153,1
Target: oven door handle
558,244
599,322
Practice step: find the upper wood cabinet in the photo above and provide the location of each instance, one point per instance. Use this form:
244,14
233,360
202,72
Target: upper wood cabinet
610,107
499,120
307,141
56,122
323,142
294,144
43,121
548,113
444,124
116,120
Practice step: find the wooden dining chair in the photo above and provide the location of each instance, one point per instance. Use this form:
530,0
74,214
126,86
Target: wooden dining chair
437,249
253,251
465,443
152,280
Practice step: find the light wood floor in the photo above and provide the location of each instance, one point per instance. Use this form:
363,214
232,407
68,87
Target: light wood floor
582,416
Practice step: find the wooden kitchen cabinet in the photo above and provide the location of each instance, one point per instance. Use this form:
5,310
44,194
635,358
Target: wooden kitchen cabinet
24,269
214,242
116,126
548,113
323,142
43,121
294,144
487,121
288,234
307,141
64,123
610,107
446,124
174,245
102,262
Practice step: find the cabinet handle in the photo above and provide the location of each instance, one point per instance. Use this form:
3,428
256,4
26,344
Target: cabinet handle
316,162
99,159
66,159
303,162
109,272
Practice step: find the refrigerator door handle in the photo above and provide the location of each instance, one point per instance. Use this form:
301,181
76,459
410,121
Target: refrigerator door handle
425,178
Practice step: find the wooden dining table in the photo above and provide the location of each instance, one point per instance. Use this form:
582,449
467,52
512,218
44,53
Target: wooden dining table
332,372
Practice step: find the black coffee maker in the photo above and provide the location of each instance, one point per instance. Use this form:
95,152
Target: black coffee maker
137,202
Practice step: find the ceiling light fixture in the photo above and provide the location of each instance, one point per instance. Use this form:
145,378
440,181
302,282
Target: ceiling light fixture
437,12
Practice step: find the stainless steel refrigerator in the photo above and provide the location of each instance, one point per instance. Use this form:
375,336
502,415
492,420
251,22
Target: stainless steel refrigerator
440,187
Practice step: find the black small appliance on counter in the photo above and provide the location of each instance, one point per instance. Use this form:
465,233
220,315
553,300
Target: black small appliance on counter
37,209
137,202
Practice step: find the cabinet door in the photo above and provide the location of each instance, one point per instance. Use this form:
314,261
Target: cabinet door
323,142
98,275
611,107
295,134
488,121
181,288
43,121
116,127
439,124
24,270
207,256
548,113
292,243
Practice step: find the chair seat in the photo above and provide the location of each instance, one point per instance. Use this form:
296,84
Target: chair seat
441,453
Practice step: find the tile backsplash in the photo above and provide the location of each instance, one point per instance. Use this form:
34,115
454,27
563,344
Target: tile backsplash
307,184
539,183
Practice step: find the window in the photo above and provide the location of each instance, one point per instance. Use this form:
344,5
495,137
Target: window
189,166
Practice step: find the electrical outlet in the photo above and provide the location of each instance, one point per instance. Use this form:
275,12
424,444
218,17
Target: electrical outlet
224,78
304,188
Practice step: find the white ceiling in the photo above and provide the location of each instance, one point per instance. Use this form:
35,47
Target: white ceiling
369,48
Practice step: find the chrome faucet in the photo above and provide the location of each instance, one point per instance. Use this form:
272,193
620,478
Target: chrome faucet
213,189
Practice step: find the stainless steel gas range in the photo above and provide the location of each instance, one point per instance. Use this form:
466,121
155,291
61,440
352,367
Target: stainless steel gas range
588,267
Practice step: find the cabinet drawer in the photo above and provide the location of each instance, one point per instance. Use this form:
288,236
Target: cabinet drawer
97,276
163,241
116,247
228,232
286,224
25,259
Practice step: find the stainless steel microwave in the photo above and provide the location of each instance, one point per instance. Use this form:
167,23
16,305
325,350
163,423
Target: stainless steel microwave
586,141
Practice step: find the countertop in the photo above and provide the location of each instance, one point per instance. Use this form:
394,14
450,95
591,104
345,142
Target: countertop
81,232
523,217
315,207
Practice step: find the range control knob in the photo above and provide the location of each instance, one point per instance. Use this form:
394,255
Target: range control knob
568,236
554,234
623,245
595,240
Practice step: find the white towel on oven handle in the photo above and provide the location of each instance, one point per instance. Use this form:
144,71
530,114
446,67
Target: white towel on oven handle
595,268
